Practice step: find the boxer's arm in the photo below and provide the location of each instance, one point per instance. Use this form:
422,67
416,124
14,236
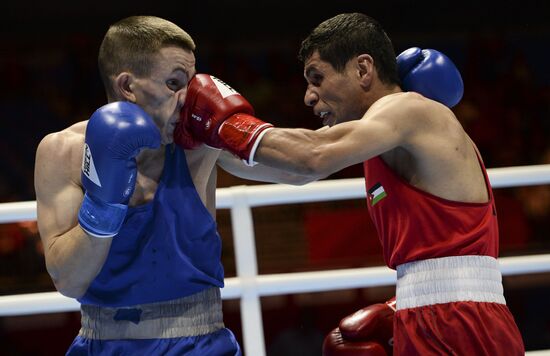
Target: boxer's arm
73,258
428,72
387,125
235,166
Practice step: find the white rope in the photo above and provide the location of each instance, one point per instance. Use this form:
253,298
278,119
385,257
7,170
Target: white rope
272,284
328,190
354,188
20,211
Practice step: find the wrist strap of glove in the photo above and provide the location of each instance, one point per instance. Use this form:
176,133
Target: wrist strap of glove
250,161
101,219
240,134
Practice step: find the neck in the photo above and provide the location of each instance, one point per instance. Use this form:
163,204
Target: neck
381,91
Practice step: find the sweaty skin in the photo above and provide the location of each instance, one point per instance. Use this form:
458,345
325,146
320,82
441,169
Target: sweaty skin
420,139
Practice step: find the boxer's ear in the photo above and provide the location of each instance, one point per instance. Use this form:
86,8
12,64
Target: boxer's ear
123,87
365,69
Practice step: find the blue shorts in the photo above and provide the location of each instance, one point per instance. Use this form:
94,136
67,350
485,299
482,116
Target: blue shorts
218,343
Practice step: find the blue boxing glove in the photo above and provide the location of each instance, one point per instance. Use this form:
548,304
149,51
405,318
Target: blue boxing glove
115,134
430,73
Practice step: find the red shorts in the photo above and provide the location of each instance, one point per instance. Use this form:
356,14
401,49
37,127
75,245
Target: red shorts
458,328
453,306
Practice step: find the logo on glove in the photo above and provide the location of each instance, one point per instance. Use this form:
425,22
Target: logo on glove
199,119
196,117
88,167
224,88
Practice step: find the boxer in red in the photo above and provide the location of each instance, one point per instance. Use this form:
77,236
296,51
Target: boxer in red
428,192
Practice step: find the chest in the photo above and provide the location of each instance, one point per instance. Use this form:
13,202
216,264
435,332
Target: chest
148,179
200,165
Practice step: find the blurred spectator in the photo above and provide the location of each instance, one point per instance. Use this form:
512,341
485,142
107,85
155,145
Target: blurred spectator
303,338
535,201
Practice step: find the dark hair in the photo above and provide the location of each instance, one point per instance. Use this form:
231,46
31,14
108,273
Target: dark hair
344,36
130,44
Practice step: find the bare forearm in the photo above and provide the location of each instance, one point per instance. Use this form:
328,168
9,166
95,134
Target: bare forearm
298,151
259,172
74,259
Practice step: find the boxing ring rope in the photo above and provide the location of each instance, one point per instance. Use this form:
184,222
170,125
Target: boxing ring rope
248,286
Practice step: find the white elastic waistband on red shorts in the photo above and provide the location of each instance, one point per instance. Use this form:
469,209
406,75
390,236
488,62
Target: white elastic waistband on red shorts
449,279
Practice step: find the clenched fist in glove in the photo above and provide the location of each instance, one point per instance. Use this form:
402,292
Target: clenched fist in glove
217,115
367,332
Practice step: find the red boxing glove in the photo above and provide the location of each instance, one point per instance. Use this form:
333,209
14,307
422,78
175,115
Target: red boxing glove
367,332
335,345
217,115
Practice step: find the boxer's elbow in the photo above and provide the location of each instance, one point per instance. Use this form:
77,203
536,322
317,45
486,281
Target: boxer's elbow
68,284
316,164
299,180
70,288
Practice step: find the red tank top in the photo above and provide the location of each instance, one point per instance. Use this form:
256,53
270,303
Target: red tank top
415,225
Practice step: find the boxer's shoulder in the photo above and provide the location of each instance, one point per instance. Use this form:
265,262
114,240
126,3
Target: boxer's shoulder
63,149
78,129
415,113
409,103
68,137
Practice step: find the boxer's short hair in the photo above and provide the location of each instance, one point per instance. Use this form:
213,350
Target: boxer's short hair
131,43
347,35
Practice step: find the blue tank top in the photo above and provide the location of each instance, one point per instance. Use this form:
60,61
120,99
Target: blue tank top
166,249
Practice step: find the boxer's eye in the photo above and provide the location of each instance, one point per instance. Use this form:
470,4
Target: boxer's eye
174,84
316,80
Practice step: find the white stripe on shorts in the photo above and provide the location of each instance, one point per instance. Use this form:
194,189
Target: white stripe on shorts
449,279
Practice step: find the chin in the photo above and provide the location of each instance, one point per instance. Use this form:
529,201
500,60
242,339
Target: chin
167,140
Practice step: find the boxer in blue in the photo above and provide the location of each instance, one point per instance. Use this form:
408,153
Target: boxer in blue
127,219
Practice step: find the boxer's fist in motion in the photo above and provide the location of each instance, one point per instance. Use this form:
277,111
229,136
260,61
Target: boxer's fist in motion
367,332
432,74
115,134
217,115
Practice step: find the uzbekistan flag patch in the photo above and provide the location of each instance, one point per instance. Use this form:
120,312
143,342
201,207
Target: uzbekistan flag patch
376,193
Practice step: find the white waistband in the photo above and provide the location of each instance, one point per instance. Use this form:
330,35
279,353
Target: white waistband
449,279
197,314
